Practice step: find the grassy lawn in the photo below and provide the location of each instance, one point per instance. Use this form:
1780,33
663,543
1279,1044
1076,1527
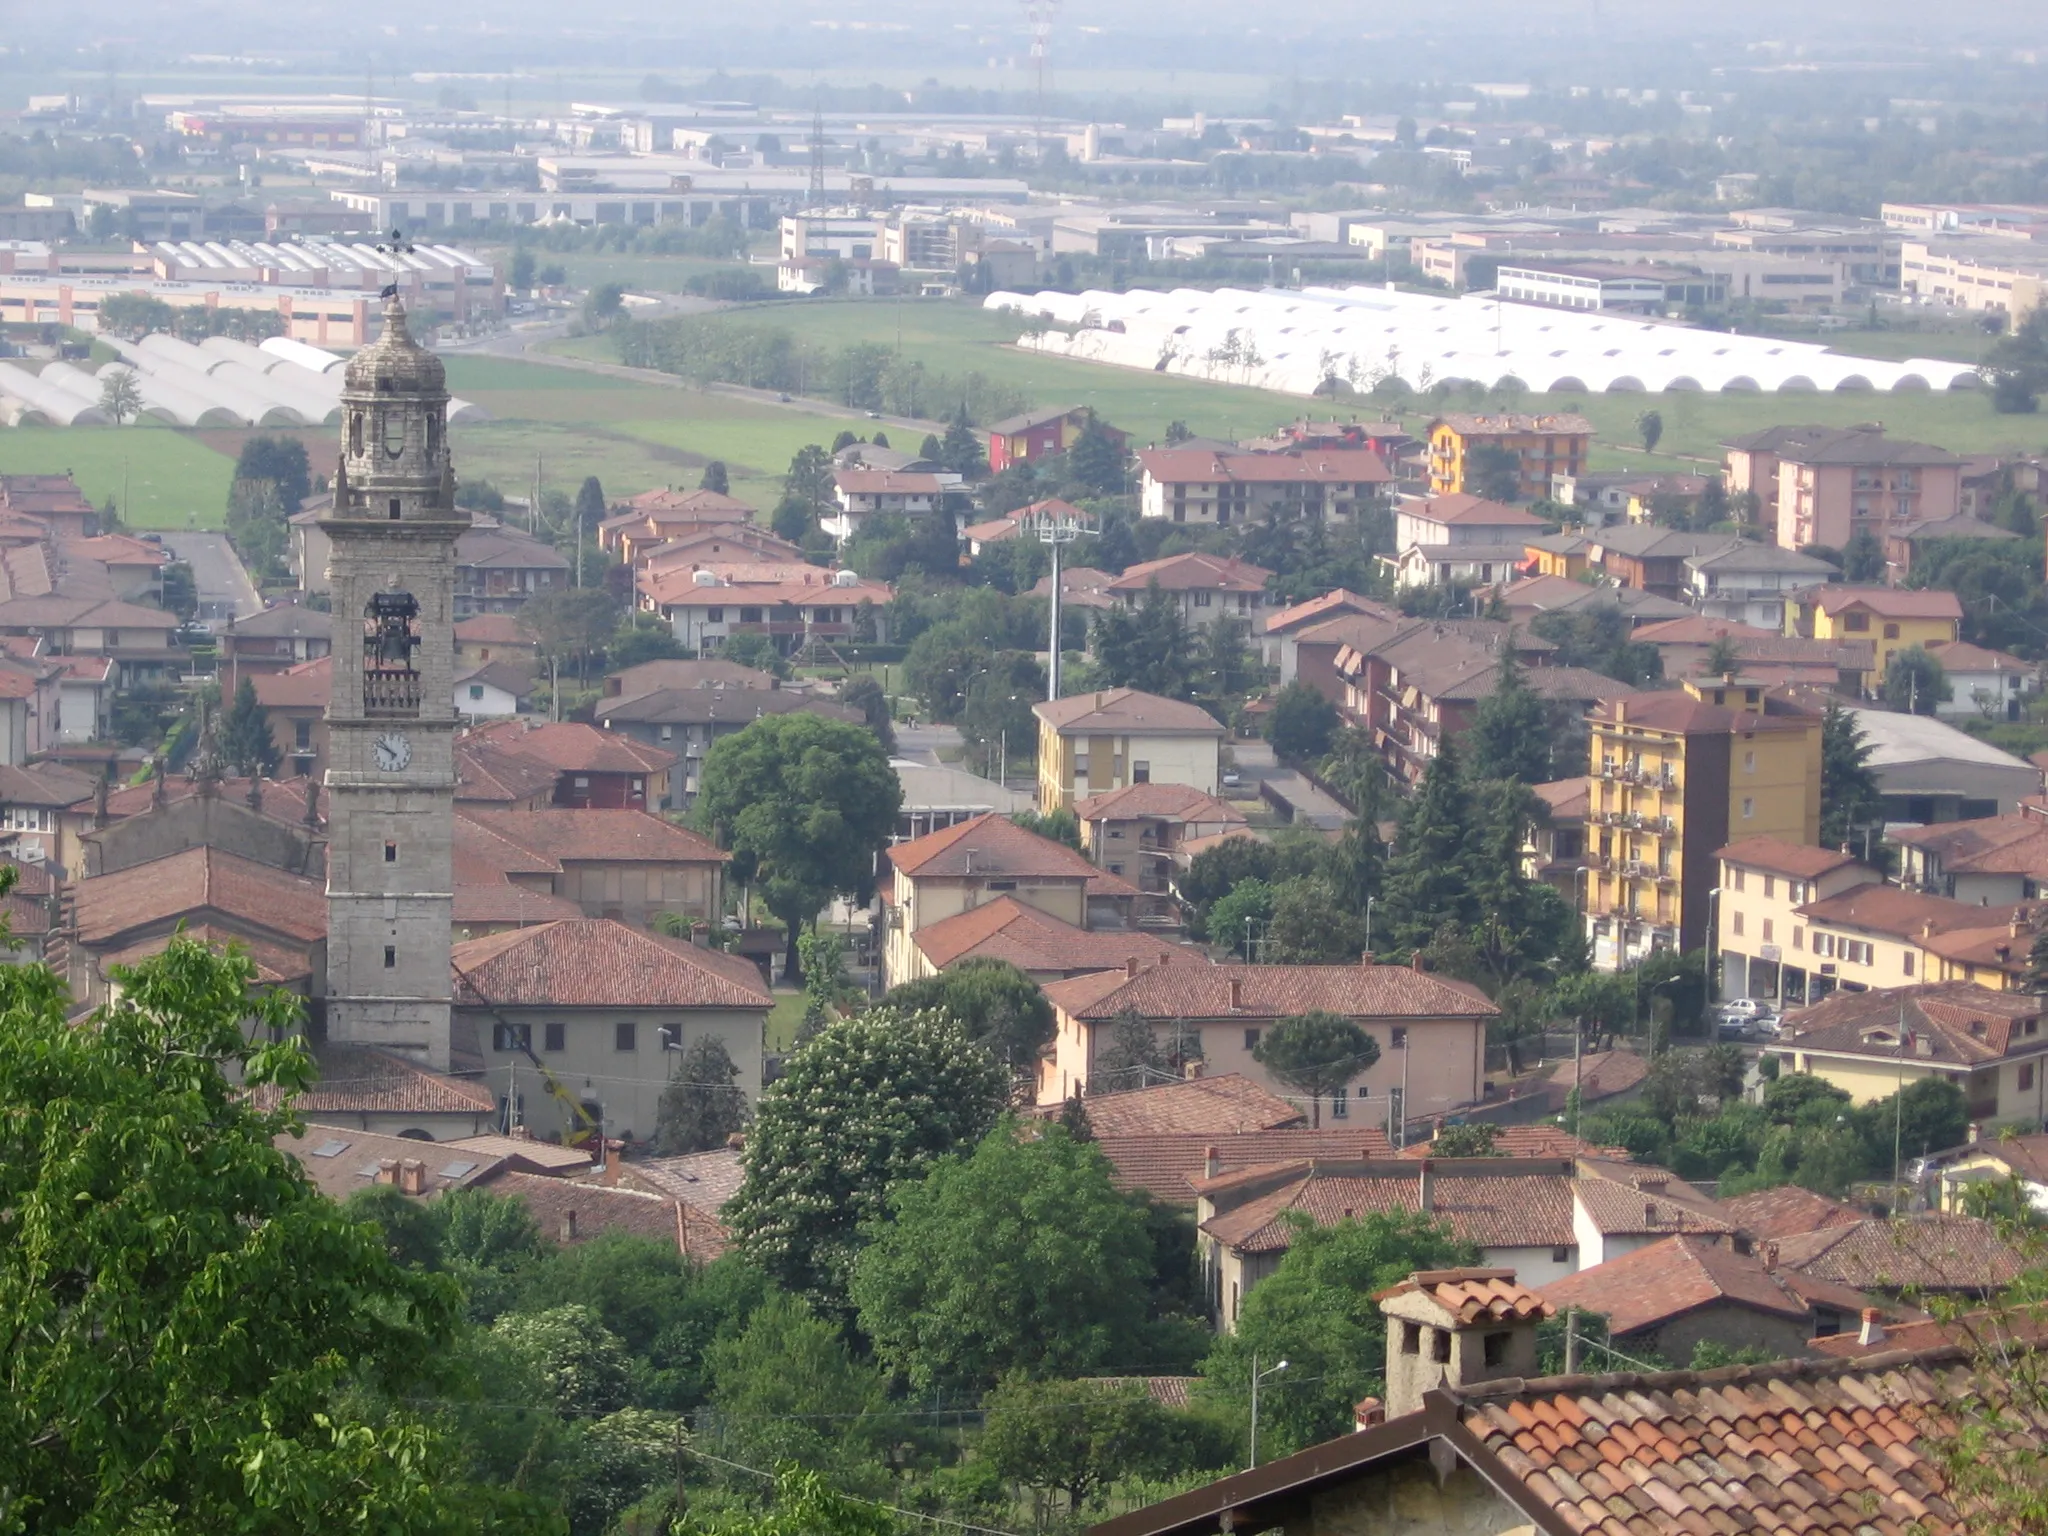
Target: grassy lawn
163,477
784,1019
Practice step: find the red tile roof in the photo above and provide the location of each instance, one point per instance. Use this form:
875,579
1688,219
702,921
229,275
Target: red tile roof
1223,1105
1167,1164
1034,941
494,629
489,901
1192,572
990,845
487,774
1472,1294
1927,1251
1961,1023
1519,1209
357,1080
2016,844
1196,991
599,963
1177,802
1788,1212
1311,466
341,1159
568,746
1888,602
309,685
1626,1200
1126,711
1665,1280
276,964
891,482
705,1179
604,836
1779,857
201,880
1459,508
1317,610
571,1211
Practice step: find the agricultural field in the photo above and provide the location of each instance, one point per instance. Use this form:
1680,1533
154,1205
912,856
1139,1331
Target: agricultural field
161,477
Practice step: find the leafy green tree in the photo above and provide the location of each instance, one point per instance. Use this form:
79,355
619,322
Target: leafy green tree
1915,683
1080,1437
864,693
870,1101
604,306
2017,365
2037,964
961,450
120,395
1510,733
1002,1010
580,1362
520,276
805,804
794,519
1493,472
572,624
1928,1115
1236,919
703,1106
1314,925
1863,557
1316,1053
809,478
1427,875
1721,659
281,461
1303,723
1476,1138
1316,1311
1060,826
244,738
157,1378
1651,426
931,450
1021,1257
1849,797
716,478
1130,1058
786,1389
1147,647
804,1504
1214,872
1096,460
756,651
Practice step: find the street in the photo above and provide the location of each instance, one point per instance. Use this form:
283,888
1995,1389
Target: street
225,591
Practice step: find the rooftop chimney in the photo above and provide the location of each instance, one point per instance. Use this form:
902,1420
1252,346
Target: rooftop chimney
1130,966
412,1177
1872,1331
1193,1069
387,1170
1236,992
1415,962
1923,1044
1212,1162
1440,1334
1425,1193
1973,1133
1770,1257
1368,1413
568,1226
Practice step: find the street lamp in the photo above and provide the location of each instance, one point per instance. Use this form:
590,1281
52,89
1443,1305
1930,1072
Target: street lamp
1257,1377
1368,922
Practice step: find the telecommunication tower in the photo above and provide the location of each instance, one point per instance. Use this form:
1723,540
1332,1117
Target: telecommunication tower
1038,15
818,156
1057,526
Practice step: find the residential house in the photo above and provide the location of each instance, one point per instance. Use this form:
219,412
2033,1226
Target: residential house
32,799
863,494
1761,655
1533,596
30,907
32,699
1928,771
376,1091
1457,538
1191,483
600,769
2022,1160
1891,618
295,708
1226,1009
1915,1254
141,642
491,775
1472,1438
1137,832
1788,1211
1083,589
1750,582
1872,1044
339,1160
1282,630
1759,931
601,1008
1546,446
1984,684
1833,485
1090,743
1225,1104
721,547
1675,1294
1204,589
686,721
1565,554
857,277
134,567
1676,777
623,865
654,517
1992,862
1044,947
275,640
1652,558
1876,935
490,690
499,570
486,637
962,867
279,918
84,688
704,609
1651,499
1019,523
1905,543
1040,434
570,1212
1555,851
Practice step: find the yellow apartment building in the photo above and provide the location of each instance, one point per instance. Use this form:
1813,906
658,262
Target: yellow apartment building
1760,934
1892,619
1676,777
1091,743
1547,446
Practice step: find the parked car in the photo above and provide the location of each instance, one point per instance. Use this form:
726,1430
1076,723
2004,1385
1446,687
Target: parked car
1745,1018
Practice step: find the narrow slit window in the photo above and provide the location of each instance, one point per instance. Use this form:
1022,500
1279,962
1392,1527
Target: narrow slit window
391,853
390,957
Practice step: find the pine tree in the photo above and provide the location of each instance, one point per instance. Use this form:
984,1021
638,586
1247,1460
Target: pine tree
961,451
1428,876
716,478
590,505
1849,796
244,736
1510,734
1097,459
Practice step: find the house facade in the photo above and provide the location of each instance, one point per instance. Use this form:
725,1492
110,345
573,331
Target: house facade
1091,743
1204,589
1218,486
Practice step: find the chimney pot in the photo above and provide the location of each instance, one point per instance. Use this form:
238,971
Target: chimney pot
1368,1413
1872,1331
1130,966
412,1177
1365,958
1425,1193
568,1226
387,1170
1193,1069
1770,1257
1415,962
1212,1162
1236,992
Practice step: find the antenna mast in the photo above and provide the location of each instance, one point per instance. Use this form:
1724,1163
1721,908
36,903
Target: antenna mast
818,154
1038,15
1056,526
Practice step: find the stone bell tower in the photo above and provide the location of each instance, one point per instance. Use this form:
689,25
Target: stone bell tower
391,714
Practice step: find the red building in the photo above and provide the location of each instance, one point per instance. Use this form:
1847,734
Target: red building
1039,434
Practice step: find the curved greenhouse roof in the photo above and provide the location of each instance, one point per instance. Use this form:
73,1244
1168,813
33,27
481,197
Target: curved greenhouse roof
1292,340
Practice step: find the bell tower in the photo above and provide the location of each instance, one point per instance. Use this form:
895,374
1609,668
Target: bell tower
391,712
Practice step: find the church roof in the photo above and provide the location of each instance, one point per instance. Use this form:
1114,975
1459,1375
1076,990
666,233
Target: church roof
395,364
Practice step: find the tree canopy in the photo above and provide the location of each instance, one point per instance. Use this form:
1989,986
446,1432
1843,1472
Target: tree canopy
1316,1053
1002,1010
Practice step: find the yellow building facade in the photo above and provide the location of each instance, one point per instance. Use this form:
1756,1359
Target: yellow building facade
1547,446
1892,619
1674,778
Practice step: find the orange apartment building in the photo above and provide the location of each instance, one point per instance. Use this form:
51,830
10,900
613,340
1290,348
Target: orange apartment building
1547,445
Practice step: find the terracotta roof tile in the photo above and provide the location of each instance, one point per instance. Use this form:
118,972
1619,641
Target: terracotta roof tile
1317,610
599,963
572,1211
2016,844
1783,858
1194,990
1166,1391
1223,1105
1959,1022
1654,1284
568,746
1177,802
554,837
1929,1251
1510,1209
705,1179
487,774
1035,941
1627,1200
357,1080
1472,1294
1527,1141
341,1159
1888,602
276,964
494,629
1165,1165
310,684
990,845
1193,571
1126,711
1218,466
1788,1212
201,880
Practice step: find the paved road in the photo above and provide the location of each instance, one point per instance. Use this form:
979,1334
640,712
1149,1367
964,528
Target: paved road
921,743
225,591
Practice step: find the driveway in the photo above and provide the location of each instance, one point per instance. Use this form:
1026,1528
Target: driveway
225,591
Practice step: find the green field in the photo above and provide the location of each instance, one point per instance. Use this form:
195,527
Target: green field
162,477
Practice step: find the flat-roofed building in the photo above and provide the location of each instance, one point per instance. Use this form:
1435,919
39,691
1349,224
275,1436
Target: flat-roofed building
1637,290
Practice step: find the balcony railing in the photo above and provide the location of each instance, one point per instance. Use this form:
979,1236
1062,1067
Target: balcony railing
391,693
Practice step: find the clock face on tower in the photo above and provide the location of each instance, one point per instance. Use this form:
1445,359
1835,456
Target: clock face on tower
393,752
